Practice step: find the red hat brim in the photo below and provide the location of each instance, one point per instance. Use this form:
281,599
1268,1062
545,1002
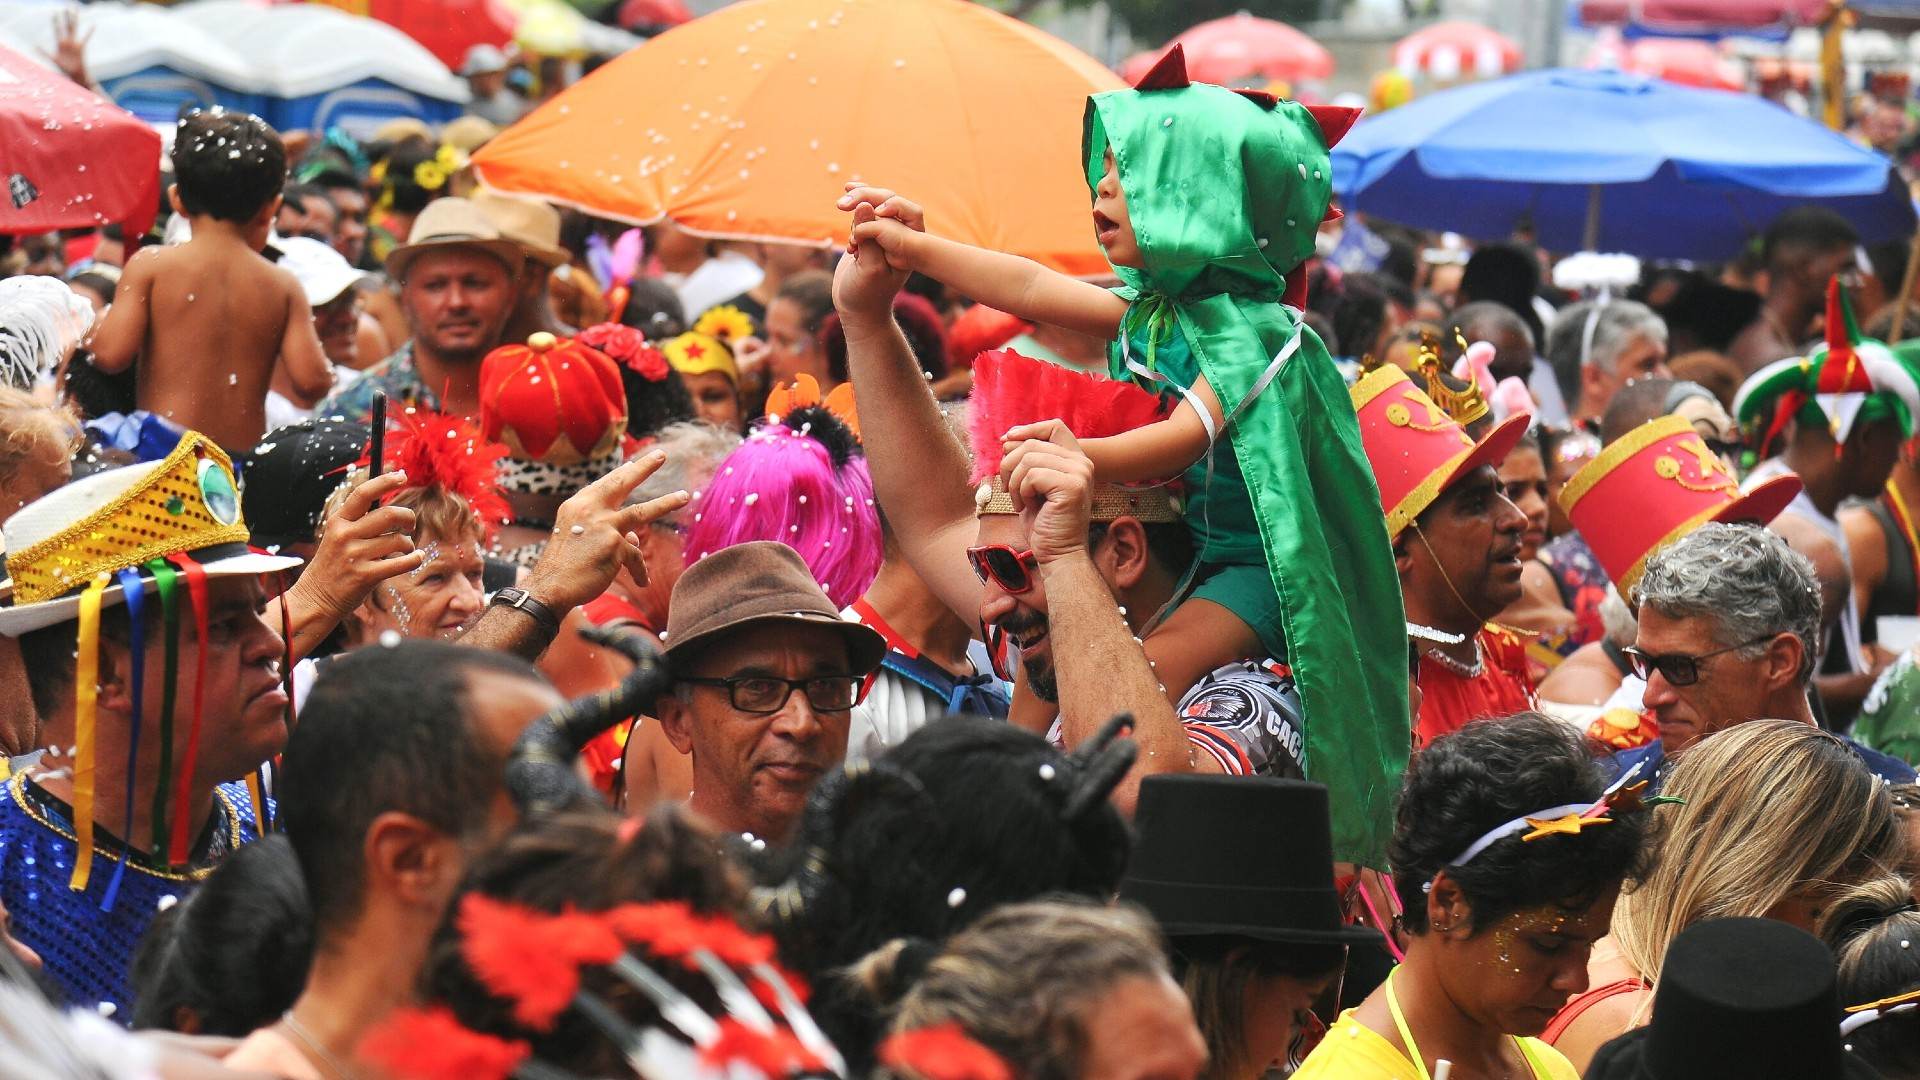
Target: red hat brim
1490,450
1763,503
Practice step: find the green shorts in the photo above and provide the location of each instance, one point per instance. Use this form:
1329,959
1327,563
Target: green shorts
1247,591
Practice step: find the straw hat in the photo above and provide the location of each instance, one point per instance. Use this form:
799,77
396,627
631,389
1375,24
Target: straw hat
453,222
532,224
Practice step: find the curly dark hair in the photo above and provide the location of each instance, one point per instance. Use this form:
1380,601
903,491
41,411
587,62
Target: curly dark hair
975,818
579,861
1489,772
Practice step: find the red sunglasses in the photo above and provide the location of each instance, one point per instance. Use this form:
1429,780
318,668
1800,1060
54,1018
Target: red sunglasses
1003,566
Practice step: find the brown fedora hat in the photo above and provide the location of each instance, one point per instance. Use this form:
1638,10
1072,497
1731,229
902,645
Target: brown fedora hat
454,222
756,582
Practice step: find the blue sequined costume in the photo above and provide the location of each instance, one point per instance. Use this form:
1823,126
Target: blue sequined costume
88,951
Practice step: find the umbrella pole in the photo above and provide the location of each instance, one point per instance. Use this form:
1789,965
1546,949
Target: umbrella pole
1906,288
1591,237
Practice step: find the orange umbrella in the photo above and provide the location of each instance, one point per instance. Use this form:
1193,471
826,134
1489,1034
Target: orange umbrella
747,123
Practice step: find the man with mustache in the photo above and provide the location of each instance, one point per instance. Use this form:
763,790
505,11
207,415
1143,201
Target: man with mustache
456,275
1456,542
766,675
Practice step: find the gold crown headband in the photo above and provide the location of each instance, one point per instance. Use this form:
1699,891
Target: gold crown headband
1150,505
1464,406
188,503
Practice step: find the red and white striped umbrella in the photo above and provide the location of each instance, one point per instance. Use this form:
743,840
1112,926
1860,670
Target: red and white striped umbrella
1448,50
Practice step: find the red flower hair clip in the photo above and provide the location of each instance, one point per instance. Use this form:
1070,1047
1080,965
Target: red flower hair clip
628,347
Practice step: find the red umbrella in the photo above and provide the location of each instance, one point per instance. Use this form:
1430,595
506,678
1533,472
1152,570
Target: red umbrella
1446,50
1686,61
1243,48
1702,14
74,159
642,14
448,28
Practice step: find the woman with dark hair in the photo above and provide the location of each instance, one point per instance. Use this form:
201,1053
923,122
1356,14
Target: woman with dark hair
962,817
233,956
1871,930
1508,855
1239,873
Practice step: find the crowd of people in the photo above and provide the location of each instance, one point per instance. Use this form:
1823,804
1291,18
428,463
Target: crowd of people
452,635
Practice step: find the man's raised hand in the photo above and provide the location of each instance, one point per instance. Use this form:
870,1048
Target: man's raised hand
595,534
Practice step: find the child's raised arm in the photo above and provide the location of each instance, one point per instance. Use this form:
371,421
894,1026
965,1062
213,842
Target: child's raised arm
1155,451
1016,285
122,331
301,357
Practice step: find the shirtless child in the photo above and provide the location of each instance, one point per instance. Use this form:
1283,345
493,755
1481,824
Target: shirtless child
212,322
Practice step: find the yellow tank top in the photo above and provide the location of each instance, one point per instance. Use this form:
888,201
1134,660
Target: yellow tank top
1353,1051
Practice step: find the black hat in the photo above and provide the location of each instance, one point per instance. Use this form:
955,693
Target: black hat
1237,856
1738,999
287,477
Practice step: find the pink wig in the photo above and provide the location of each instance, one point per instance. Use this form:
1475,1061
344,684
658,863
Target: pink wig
814,496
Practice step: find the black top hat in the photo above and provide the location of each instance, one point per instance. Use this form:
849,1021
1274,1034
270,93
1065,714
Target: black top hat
1738,999
1237,856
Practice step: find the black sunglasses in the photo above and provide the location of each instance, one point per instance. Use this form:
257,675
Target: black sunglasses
1679,669
762,695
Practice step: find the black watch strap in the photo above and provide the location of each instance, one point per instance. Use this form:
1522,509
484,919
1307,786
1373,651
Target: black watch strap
522,601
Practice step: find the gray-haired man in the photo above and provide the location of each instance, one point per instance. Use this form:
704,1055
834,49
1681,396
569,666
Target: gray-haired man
1728,620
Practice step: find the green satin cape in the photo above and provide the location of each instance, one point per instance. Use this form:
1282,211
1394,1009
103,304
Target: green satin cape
1225,196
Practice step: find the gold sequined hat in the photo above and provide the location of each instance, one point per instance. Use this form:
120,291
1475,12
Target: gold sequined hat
185,504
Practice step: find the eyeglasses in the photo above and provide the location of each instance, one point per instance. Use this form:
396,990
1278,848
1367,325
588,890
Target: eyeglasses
765,694
1679,669
1001,565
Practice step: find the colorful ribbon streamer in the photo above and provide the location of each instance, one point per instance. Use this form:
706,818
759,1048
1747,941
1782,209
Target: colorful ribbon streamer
86,682
179,852
166,583
133,592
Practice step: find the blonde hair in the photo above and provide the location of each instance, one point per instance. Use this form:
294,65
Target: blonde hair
1770,806
30,429
439,514
1020,979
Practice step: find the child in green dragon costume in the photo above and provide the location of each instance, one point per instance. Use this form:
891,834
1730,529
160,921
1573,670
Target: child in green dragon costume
1206,201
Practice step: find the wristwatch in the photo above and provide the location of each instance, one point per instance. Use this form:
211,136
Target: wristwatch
522,601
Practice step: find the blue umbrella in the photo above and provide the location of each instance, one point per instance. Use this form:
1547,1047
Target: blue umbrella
1608,161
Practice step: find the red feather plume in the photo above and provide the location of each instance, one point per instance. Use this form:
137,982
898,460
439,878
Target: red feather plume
1010,390
795,985
942,1052
530,958
448,452
736,947
773,1053
429,1044
668,929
